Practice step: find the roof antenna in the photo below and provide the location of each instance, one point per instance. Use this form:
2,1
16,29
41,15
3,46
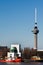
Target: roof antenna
35,16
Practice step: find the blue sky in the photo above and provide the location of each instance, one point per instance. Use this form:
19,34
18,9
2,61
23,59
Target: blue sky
17,22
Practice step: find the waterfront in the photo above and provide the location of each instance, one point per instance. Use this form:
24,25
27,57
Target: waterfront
30,63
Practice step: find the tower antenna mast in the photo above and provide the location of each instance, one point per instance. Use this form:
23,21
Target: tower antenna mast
35,15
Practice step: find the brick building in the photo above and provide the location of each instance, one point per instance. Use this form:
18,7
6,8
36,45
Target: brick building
3,51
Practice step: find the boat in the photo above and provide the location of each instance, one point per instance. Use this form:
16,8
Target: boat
16,60
14,55
36,59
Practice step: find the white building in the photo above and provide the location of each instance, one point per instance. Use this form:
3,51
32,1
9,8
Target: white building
14,51
17,46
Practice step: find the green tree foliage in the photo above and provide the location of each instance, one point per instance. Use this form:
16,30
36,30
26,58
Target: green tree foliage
14,50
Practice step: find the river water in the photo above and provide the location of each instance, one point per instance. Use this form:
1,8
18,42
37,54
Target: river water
30,63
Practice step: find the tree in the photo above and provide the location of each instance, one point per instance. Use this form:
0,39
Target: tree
26,53
14,50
